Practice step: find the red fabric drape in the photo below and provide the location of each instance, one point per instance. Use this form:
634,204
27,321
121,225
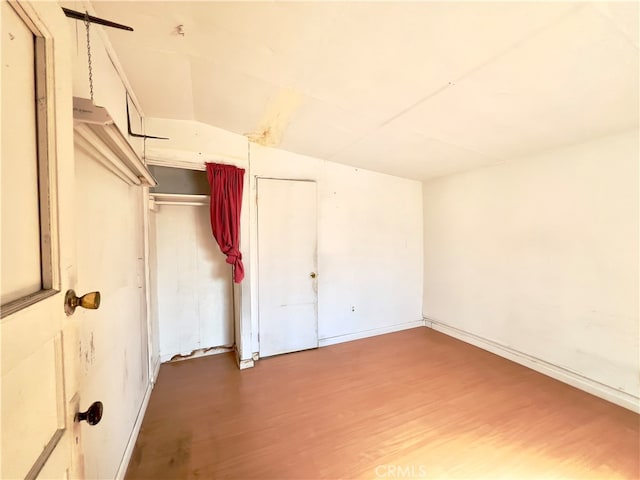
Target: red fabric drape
226,182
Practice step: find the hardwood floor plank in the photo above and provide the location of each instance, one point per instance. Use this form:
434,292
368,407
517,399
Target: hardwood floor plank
411,404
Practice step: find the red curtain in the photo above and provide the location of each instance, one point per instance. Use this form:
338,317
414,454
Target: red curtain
226,182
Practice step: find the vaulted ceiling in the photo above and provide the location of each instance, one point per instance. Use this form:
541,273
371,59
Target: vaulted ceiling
411,89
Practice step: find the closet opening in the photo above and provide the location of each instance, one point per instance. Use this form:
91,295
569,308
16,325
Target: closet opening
191,283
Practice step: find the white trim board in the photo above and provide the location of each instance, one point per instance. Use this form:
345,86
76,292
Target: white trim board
171,157
323,342
576,380
243,364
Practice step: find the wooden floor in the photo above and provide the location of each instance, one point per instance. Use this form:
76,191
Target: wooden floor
412,404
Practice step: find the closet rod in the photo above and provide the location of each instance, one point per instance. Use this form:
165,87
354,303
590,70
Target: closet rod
193,204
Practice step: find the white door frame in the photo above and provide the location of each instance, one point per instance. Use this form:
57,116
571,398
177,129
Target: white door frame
241,292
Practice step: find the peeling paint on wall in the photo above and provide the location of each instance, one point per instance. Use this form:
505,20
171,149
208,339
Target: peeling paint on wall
86,355
276,118
200,352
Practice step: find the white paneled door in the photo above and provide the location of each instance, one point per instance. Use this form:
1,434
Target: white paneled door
287,266
36,248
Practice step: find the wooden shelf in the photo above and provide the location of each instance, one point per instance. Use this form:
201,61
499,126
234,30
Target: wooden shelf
99,136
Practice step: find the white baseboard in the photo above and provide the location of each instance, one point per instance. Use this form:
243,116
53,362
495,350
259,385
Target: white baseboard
243,364
554,371
156,371
323,342
128,451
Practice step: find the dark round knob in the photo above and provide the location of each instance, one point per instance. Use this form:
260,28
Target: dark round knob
92,416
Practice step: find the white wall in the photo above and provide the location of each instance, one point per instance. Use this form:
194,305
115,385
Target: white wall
193,281
540,255
111,341
369,244
369,232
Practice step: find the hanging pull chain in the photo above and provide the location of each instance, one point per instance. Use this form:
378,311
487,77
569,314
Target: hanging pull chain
87,24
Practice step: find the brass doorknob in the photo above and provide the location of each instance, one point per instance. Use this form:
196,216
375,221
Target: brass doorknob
92,416
90,300
313,275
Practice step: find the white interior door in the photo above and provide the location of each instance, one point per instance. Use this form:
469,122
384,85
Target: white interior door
287,263
193,281
37,249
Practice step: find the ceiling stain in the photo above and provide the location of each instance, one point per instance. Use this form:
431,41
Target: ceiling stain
276,118
371,73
